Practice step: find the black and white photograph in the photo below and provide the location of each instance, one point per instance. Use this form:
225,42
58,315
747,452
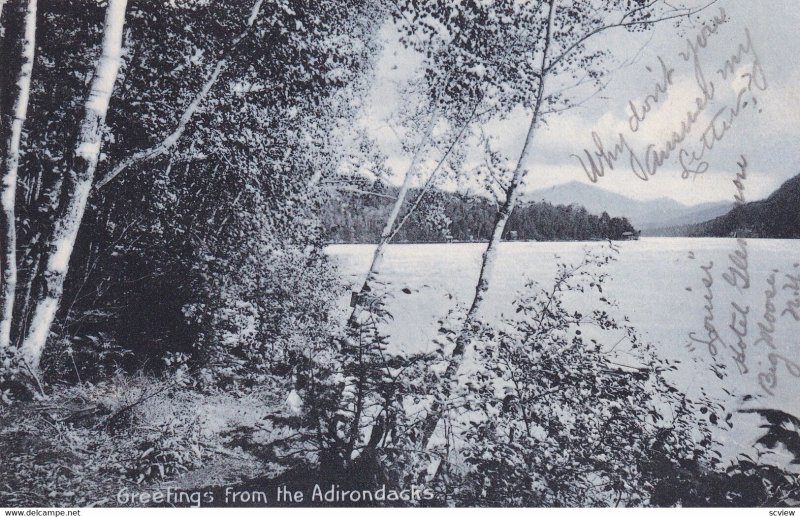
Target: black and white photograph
399,254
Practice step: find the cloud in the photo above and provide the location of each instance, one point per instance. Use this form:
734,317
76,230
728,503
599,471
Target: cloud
765,132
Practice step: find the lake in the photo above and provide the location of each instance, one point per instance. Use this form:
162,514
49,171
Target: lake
659,283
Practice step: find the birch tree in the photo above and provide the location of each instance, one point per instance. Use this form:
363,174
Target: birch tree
454,113
8,171
520,48
366,365
78,185
391,220
219,117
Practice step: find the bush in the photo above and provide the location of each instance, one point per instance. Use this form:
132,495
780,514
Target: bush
567,408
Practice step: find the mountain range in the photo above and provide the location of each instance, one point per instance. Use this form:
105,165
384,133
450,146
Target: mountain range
647,215
570,211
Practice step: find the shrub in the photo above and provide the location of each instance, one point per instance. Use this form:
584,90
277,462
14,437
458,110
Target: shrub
569,407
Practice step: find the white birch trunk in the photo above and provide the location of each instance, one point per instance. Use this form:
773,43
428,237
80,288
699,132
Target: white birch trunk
77,185
8,170
489,257
391,227
375,267
388,228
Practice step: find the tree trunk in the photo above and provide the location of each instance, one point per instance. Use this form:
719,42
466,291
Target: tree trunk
388,228
489,258
391,227
8,170
77,185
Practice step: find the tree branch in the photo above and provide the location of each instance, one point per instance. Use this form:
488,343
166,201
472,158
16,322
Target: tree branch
620,24
344,188
170,140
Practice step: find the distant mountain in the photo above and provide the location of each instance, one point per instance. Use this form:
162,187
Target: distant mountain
646,215
697,213
776,217
679,226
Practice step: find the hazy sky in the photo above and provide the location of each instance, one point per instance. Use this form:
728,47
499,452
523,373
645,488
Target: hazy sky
765,131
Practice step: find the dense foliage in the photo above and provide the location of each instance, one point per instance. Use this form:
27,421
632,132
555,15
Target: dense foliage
224,213
586,413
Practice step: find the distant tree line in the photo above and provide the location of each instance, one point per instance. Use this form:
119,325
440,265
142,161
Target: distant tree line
358,218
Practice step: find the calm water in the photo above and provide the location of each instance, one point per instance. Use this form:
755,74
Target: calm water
658,283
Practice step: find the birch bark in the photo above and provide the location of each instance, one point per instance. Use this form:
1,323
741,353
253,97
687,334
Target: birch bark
77,186
388,229
391,227
8,170
490,254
